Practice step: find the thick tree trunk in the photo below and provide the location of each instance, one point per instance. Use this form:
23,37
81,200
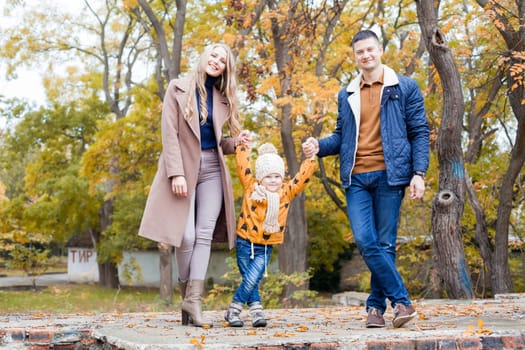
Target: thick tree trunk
501,281
107,271
108,275
447,210
448,204
166,273
293,252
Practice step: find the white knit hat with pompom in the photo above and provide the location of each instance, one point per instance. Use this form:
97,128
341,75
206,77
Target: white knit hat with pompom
268,162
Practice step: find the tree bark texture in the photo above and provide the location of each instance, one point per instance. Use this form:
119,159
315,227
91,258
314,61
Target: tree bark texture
168,63
293,252
166,273
108,271
514,37
448,205
481,232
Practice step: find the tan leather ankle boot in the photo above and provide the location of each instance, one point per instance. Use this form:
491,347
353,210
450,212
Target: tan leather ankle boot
192,303
184,315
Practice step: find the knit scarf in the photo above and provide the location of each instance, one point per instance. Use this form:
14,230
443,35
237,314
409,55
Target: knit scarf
271,223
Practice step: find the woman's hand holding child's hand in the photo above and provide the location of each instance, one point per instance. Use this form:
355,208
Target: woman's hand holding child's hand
244,138
310,147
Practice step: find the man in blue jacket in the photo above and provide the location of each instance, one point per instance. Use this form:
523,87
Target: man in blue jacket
382,138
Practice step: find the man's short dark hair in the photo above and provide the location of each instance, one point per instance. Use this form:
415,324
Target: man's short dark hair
362,35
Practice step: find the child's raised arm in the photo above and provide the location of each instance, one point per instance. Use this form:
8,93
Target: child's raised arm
244,166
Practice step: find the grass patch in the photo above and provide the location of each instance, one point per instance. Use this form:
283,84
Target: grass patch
82,298
92,298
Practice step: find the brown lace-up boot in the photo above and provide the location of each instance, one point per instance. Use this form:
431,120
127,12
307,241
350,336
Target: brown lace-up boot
375,318
403,314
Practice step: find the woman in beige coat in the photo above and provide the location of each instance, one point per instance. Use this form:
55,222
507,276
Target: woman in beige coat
191,198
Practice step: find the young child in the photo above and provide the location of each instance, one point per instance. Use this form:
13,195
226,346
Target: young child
261,223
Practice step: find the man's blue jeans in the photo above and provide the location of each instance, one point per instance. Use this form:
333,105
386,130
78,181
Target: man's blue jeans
251,269
373,211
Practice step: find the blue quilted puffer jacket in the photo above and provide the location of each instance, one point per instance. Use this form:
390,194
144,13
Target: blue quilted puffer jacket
404,129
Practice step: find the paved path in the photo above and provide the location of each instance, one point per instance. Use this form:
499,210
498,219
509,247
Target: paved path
497,323
43,280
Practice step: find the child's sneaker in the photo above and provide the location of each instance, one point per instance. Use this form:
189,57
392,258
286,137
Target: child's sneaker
233,314
256,311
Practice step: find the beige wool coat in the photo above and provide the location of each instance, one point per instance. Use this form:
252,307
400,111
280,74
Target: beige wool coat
165,214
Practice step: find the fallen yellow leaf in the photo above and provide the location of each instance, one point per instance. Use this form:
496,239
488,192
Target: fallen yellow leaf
480,324
302,329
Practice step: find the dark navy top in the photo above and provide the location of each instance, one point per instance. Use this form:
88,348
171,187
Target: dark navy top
208,140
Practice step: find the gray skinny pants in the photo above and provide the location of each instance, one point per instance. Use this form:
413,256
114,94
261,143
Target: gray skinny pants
193,255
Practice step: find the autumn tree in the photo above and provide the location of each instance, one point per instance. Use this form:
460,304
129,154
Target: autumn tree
108,49
155,17
163,25
296,56
47,145
482,81
164,22
293,57
475,46
508,18
449,202
287,66
486,77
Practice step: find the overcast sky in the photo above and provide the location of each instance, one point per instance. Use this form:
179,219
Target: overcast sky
28,85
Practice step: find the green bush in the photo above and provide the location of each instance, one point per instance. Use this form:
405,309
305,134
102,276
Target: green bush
271,289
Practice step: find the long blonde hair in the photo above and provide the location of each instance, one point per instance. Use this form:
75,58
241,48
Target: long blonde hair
226,84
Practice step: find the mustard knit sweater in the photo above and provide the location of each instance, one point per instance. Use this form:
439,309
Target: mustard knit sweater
253,212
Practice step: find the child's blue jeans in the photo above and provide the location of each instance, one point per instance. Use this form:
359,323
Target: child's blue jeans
251,267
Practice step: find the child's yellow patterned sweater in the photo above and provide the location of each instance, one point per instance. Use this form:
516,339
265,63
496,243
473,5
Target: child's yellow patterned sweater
253,212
